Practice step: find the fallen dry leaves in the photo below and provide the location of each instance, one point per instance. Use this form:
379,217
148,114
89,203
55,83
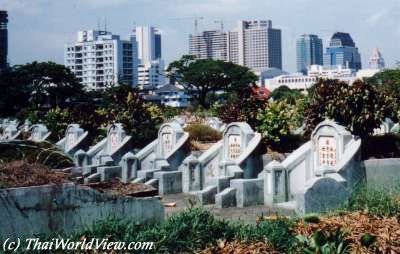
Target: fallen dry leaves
386,229
237,247
23,174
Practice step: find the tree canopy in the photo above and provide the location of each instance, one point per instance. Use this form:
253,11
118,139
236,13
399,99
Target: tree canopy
200,77
37,85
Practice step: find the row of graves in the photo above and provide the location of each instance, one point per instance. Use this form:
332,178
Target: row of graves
318,176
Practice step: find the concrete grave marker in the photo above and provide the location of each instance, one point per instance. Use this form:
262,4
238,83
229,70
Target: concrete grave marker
330,161
75,139
233,157
39,133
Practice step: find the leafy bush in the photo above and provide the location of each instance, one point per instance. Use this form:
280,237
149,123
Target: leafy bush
284,93
244,108
381,146
325,243
359,107
381,202
274,121
201,132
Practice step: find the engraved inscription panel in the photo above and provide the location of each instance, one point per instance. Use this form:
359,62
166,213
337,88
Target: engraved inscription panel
166,138
36,135
234,144
327,151
114,141
71,139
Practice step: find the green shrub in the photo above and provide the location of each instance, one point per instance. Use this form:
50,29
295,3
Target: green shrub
274,121
324,243
381,146
243,108
201,132
275,232
381,202
359,107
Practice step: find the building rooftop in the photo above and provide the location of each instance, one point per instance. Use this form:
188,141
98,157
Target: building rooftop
344,38
167,88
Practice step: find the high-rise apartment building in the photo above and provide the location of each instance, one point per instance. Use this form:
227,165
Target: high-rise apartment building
3,40
309,49
376,60
256,45
100,59
151,66
209,45
342,51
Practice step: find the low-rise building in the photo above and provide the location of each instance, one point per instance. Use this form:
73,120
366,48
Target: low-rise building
316,72
169,95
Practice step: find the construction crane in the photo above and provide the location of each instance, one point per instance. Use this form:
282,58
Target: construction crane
196,21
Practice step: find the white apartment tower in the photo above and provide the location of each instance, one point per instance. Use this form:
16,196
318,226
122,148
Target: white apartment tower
255,44
100,59
151,66
209,45
376,60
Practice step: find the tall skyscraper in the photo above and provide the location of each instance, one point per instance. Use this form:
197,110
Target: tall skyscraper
208,45
100,59
255,44
151,66
342,51
376,60
3,40
309,51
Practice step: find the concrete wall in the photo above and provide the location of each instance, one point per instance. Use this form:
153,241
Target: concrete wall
383,172
66,208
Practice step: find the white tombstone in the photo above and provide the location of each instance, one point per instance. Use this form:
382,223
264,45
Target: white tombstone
115,137
39,133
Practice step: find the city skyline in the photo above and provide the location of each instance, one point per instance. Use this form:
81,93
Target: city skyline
370,26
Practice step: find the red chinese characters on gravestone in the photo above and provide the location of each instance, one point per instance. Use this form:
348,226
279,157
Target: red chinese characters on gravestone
234,144
327,151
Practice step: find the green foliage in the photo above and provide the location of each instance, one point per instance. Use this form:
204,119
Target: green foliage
32,152
201,132
275,232
381,202
243,108
284,93
359,107
324,243
191,230
274,121
170,112
202,77
367,240
37,86
311,218
56,120
381,146
126,106
388,82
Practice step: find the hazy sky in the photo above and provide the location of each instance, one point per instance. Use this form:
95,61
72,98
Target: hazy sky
38,29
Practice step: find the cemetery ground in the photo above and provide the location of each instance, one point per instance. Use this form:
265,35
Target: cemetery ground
314,172
368,223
